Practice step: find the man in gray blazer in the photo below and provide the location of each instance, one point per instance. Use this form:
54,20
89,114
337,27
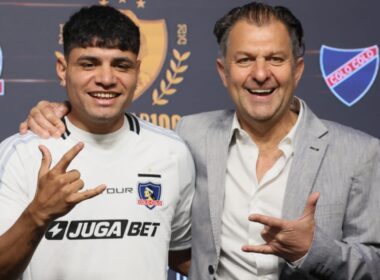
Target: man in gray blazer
279,192
274,158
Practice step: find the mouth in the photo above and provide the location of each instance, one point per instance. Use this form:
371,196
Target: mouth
104,95
261,92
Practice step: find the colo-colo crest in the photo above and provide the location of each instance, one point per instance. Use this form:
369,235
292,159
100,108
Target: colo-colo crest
349,73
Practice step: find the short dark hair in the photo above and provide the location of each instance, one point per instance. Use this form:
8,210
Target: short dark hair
259,14
103,27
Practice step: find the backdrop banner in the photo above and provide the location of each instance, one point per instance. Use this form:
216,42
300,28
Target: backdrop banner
178,53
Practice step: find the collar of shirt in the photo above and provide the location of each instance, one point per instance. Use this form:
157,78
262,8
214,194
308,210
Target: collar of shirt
286,145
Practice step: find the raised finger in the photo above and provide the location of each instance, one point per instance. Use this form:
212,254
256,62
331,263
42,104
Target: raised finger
311,204
45,161
87,194
266,220
261,249
66,159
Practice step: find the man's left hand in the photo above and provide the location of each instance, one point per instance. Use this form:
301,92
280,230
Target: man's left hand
289,240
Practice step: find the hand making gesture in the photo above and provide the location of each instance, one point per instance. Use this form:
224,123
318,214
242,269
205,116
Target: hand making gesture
58,190
289,240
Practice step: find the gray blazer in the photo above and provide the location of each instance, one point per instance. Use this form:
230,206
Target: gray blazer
341,163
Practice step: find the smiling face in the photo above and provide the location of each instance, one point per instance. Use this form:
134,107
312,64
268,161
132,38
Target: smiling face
100,84
260,72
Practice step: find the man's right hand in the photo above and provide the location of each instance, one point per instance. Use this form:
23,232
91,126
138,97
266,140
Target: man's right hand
45,119
58,191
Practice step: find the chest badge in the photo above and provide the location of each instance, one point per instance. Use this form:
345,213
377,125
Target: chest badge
149,194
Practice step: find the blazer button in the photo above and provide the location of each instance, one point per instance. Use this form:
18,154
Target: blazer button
211,269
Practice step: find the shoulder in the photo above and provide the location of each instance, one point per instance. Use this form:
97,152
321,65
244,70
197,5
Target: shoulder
164,143
347,135
19,147
351,143
202,122
25,145
17,140
206,118
160,133
159,137
333,132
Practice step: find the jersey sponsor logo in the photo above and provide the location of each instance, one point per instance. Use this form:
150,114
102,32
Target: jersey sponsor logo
349,73
99,229
2,84
56,230
149,194
116,190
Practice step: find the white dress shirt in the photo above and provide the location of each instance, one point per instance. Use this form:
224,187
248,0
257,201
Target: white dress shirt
244,196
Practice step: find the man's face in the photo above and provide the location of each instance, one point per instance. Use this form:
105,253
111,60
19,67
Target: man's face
100,84
260,72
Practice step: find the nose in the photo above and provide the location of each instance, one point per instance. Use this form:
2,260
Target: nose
260,71
105,77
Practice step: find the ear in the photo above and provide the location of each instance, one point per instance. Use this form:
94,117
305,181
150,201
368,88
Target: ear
300,65
61,68
137,70
221,67
138,66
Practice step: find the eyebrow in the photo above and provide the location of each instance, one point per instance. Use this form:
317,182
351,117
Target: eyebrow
121,59
87,57
248,53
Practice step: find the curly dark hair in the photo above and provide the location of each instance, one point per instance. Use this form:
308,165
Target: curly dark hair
103,27
259,14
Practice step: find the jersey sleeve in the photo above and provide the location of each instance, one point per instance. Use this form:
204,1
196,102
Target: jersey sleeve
181,223
15,162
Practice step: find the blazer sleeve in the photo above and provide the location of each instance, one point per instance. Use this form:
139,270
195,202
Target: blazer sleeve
357,254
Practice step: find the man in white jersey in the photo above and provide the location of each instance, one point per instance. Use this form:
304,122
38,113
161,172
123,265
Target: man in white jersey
142,213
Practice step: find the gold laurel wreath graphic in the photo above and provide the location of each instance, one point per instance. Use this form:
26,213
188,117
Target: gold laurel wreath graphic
173,78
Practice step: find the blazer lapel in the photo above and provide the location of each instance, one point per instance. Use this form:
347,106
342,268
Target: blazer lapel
218,139
310,146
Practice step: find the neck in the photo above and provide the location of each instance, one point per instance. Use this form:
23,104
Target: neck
104,126
267,135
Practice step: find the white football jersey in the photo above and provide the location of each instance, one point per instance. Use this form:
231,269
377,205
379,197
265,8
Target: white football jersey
125,232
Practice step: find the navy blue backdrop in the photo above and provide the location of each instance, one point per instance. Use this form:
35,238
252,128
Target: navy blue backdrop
179,53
